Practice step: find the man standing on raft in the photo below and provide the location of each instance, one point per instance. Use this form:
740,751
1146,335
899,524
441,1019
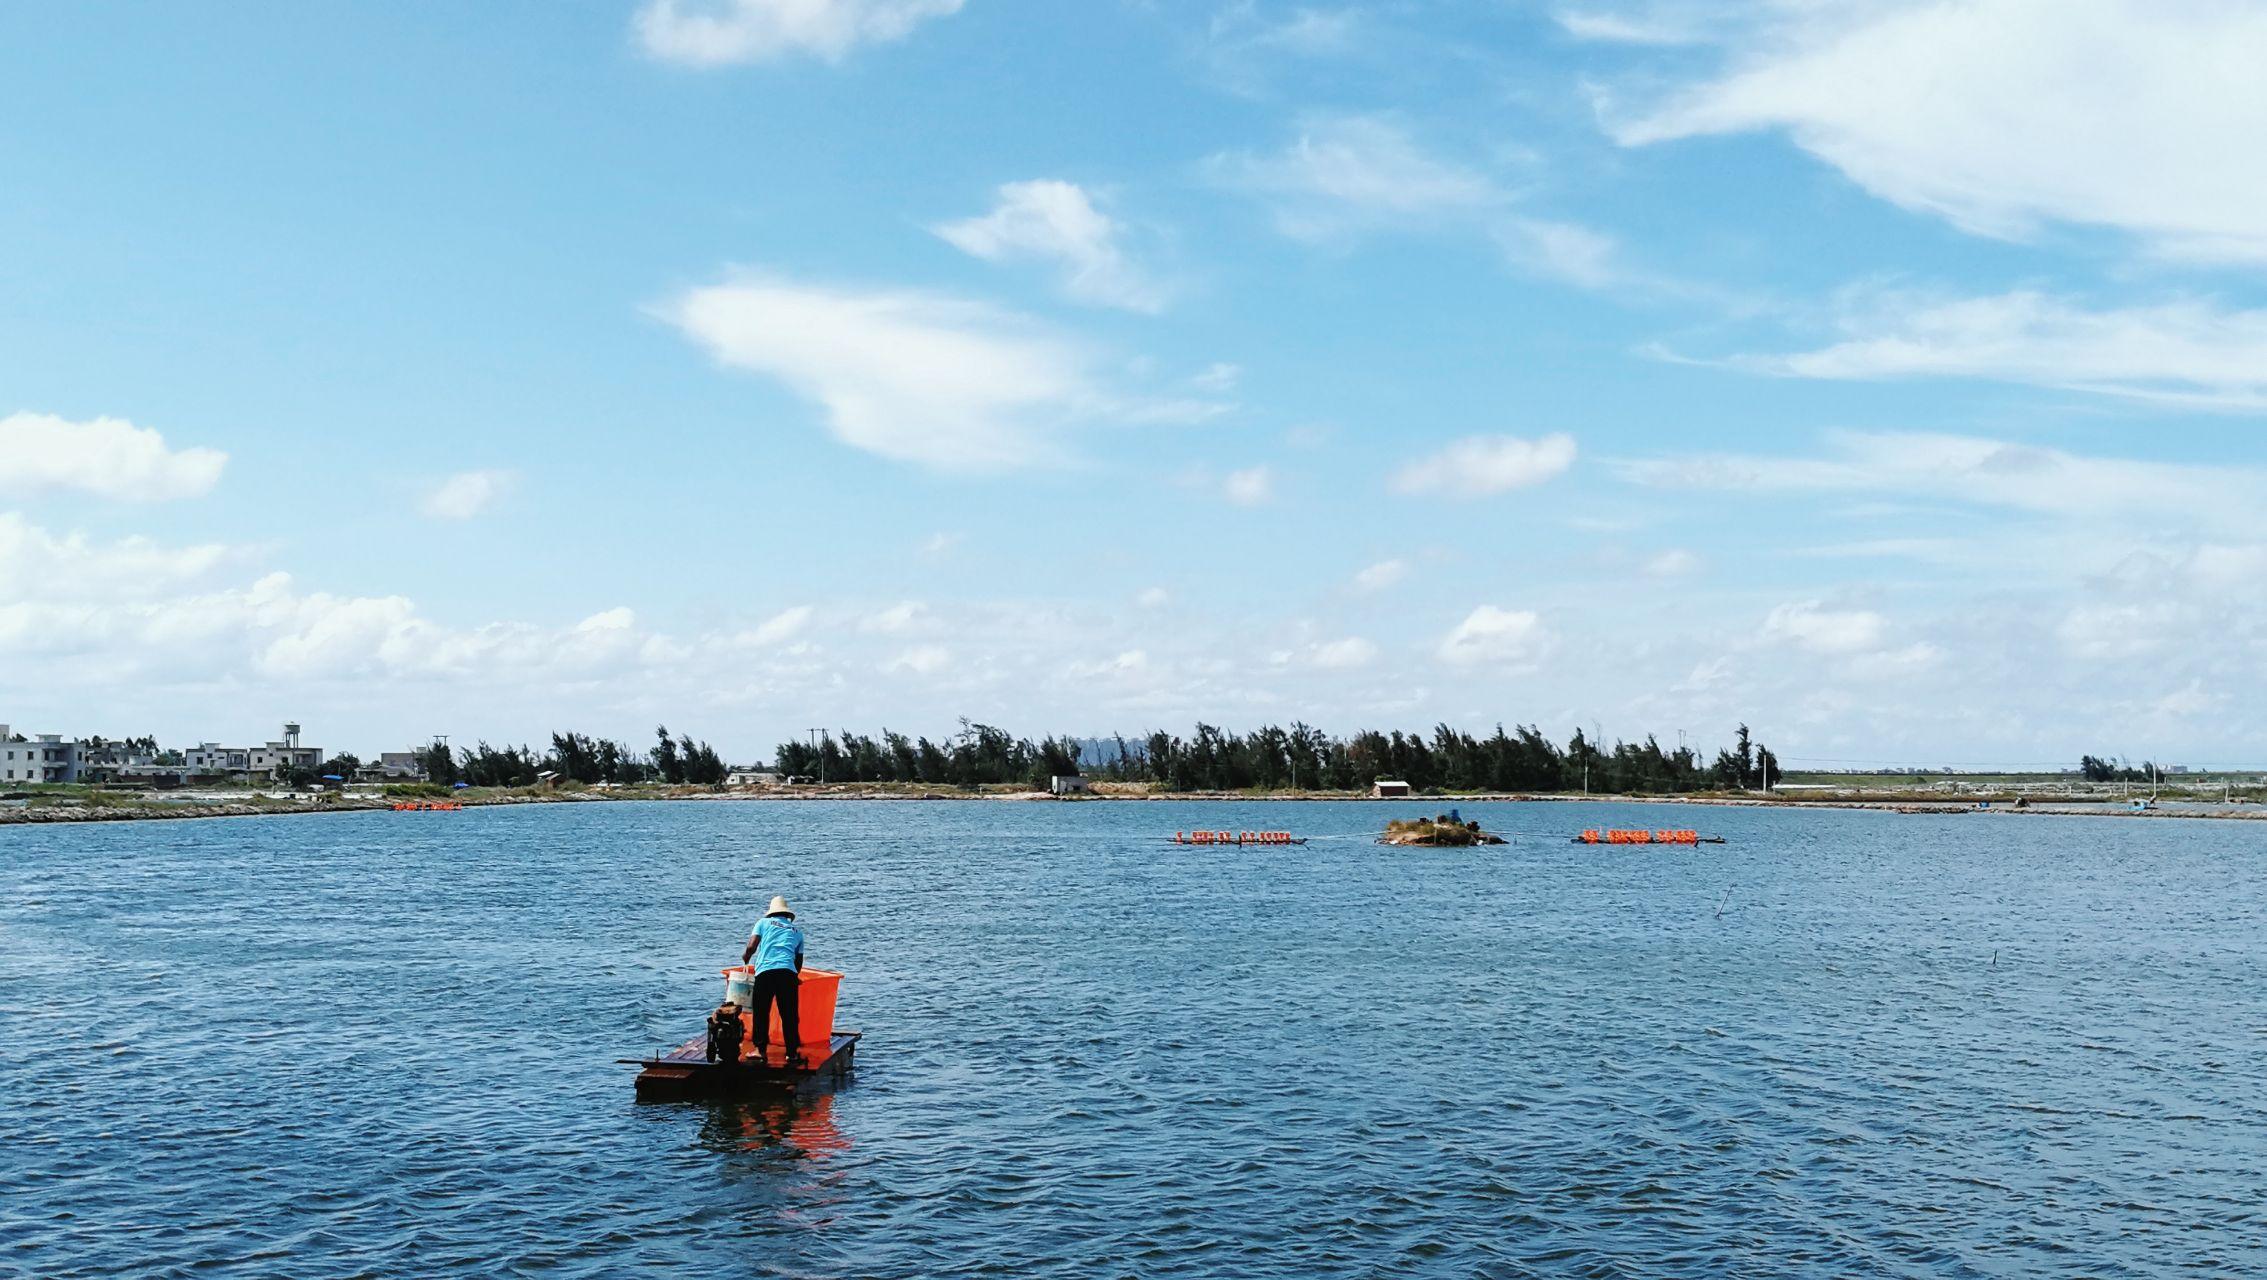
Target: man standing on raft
776,947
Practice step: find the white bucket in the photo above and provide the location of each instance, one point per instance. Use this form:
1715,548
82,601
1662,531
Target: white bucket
740,986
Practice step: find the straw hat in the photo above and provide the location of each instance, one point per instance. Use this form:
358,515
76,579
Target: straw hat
779,907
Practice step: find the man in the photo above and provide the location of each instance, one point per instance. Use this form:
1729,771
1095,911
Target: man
776,948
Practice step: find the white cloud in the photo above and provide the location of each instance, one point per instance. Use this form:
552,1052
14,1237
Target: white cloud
1566,251
466,494
1154,598
1057,223
1131,662
900,617
37,564
939,543
1510,639
1379,576
1821,630
107,457
2193,700
2002,114
1346,174
916,377
782,626
2189,351
922,660
1627,28
1240,27
1251,487
1218,378
1481,466
1343,655
1673,563
2117,632
709,33
1982,472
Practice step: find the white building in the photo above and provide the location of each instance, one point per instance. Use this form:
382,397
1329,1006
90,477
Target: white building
394,766
1068,784
47,759
269,763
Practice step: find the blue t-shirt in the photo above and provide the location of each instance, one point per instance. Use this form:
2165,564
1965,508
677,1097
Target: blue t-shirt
779,943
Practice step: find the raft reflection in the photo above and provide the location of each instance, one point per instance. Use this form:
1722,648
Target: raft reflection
804,1126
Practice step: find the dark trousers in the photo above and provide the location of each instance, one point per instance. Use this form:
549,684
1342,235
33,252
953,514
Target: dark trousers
781,985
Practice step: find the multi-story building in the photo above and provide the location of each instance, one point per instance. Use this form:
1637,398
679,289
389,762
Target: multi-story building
393,766
268,763
48,758
102,760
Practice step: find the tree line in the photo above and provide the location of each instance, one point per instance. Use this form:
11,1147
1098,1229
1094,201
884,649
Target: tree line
979,754
1271,757
577,757
2098,769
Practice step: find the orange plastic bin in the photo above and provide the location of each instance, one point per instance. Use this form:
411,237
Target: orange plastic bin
814,1012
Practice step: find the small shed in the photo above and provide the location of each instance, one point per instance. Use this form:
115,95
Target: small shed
1068,784
751,778
1390,789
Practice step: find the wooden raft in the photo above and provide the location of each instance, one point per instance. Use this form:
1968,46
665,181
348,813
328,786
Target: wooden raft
686,1072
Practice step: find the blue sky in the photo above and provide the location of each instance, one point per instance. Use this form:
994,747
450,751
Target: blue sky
1885,375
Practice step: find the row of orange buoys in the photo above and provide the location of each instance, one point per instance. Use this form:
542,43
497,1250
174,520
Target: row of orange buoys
1235,837
427,806
1641,836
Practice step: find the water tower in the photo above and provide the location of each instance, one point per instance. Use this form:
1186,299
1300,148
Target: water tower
291,734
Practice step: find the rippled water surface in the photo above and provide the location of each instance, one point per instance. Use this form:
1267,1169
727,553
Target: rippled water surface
1843,1043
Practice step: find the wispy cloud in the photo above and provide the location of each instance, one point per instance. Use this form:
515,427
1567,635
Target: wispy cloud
1676,562
1980,472
2189,351
1657,25
1057,223
1250,487
1349,176
900,617
1483,466
467,494
782,626
1344,175
1379,576
1343,655
710,33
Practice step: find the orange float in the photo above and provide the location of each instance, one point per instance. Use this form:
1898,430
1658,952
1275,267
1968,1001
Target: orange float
1643,836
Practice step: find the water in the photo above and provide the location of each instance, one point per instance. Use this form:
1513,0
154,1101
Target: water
1844,1043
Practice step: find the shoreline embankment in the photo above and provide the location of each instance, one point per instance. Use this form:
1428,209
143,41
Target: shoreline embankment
116,807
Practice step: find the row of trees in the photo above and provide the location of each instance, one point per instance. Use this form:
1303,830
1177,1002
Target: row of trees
575,756
2098,769
978,754
1213,759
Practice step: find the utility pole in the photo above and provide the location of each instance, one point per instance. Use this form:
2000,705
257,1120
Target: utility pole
817,755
